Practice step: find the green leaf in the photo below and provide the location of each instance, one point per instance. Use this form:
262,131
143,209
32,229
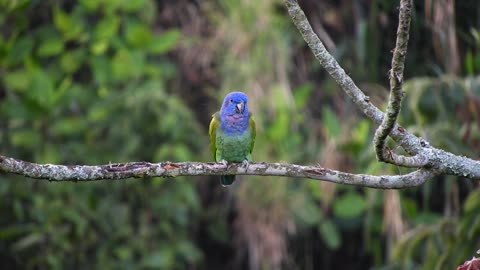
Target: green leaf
188,251
50,47
350,205
27,241
10,6
107,27
17,80
165,42
123,252
101,67
427,217
122,65
71,25
17,111
476,61
308,213
26,138
469,62
409,207
279,129
14,231
472,202
127,64
99,47
331,123
138,34
20,50
49,154
98,113
131,6
159,259
75,217
41,89
91,5
174,152
314,189
330,234
70,61
68,126
361,132
61,20
301,94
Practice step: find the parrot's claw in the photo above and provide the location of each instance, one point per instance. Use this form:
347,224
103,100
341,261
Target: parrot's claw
223,162
245,164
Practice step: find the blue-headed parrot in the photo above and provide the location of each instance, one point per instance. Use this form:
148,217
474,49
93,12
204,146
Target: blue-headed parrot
232,133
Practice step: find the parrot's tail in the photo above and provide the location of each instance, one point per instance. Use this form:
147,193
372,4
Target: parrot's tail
227,180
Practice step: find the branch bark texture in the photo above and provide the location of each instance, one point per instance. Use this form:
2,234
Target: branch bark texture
79,173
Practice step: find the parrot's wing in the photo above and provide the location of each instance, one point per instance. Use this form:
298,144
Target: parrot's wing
253,128
212,131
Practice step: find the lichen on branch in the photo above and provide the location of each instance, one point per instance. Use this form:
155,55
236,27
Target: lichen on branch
82,173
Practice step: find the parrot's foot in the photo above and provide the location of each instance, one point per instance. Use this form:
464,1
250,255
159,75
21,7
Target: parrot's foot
223,162
245,164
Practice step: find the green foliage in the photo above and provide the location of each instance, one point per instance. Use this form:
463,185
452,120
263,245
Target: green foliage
444,244
350,205
331,124
443,111
429,106
89,86
330,234
472,56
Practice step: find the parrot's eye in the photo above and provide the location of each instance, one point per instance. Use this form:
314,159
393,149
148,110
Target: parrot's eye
231,100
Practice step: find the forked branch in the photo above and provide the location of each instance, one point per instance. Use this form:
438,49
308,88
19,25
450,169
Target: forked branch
423,154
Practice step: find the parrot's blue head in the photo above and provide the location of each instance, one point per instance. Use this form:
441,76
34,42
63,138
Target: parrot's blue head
234,112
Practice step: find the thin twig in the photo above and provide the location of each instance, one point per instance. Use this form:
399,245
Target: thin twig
396,82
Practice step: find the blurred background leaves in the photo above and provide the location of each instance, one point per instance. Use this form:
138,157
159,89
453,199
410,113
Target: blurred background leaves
93,82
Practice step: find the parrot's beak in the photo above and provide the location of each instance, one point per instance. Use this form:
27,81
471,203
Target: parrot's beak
240,107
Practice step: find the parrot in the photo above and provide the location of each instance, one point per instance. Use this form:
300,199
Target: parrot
232,133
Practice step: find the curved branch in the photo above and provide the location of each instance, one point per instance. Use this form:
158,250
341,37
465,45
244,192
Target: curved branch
396,81
410,143
423,155
416,161
80,173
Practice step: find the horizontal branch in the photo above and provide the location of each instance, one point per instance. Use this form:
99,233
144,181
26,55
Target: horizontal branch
80,173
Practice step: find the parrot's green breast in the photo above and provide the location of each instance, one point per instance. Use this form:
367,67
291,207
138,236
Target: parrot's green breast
234,148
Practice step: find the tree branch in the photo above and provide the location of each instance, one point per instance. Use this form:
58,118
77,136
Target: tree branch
424,155
396,81
432,160
79,173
